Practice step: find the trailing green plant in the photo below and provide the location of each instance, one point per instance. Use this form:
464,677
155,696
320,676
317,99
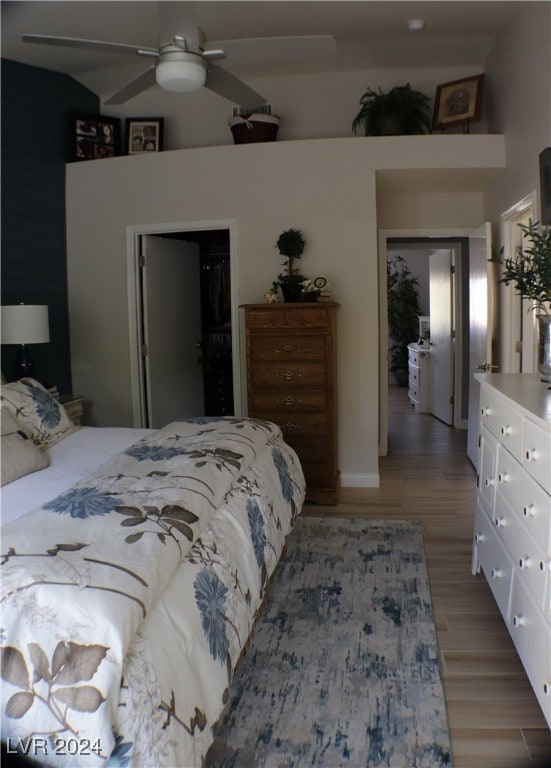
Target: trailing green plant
291,245
401,111
530,268
403,313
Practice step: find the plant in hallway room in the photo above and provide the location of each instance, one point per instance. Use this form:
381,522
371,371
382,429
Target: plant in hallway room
403,314
291,245
530,272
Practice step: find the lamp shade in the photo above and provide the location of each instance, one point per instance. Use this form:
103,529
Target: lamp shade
25,324
181,71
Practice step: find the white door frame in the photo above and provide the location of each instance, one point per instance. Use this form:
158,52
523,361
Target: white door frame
511,306
133,234
384,235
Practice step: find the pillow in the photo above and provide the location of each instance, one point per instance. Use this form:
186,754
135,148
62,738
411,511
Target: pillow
20,456
38,411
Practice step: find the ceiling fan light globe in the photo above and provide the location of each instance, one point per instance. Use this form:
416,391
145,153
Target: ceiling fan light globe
181,72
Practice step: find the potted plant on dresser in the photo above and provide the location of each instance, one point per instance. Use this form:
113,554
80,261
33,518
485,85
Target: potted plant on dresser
530,272
291,245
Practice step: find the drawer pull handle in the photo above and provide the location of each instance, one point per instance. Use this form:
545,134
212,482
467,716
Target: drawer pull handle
545,566
525,562
519,620
506,430
500,522
485,411
287,349
503,477
289,375
478,537
497,573
489,482
529,510
532,455
290,401
291,426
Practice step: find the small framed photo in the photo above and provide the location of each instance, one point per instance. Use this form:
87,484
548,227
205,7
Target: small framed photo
93,137
458,103
144,134
545,185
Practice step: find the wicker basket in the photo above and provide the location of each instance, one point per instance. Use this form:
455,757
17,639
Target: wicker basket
256,127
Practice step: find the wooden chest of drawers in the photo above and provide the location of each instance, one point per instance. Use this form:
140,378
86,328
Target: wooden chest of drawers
512,536
291,380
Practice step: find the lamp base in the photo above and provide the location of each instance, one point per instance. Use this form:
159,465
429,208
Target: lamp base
23,362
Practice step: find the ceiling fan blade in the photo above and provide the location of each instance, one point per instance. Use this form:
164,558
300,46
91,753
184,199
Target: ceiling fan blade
179,19
256,50
230,87
97,45
140,83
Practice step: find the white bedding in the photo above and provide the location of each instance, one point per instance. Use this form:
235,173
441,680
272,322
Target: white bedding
72,459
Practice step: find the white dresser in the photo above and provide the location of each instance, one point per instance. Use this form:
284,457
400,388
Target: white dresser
419,381
512,531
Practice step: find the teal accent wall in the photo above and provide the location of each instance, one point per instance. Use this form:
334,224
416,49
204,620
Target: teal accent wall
36,108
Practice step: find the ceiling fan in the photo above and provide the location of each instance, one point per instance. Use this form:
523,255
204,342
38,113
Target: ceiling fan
185,62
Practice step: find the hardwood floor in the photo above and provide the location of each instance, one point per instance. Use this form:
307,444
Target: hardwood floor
495,720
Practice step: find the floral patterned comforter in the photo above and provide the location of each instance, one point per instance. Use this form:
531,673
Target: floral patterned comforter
127,600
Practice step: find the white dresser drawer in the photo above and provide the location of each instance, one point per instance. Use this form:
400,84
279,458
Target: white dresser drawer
526,497
413,356
413,376
502,420
536,453
487,478
494,561
532,639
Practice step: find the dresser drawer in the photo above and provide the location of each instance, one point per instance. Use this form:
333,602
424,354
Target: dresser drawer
502,420
487,477
317,316
413,356
526,497
536,453
289,401
532,638
288,348
299,423
494,561
413,376
281,376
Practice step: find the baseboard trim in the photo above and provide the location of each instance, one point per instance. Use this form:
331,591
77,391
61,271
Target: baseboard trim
360,481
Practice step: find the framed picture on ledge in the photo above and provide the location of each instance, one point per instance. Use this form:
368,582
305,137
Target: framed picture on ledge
458,103
93,137
144,134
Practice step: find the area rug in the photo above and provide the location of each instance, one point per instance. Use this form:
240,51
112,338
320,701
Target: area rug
343,664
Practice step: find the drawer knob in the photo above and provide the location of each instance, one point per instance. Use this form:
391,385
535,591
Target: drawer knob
531,455
525,562
503,477
547,688
287,349
485,411
545,566
529,510
497,573
478,537
288,401
500,522
519,620
489,482
289,375
506,430
291,426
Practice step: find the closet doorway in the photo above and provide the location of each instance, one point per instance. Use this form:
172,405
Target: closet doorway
183,322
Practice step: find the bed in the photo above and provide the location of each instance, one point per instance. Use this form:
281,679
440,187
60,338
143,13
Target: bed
134,563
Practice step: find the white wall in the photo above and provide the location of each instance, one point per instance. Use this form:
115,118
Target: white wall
326,188
316,105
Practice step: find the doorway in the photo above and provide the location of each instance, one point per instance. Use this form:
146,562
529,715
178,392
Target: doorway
451,246
183,321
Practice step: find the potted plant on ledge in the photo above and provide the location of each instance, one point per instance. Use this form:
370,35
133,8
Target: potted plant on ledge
401,111
530,272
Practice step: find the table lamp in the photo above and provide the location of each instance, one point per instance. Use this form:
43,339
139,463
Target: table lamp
24,324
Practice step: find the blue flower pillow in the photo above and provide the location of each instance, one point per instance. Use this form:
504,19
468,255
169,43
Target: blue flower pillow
34,408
